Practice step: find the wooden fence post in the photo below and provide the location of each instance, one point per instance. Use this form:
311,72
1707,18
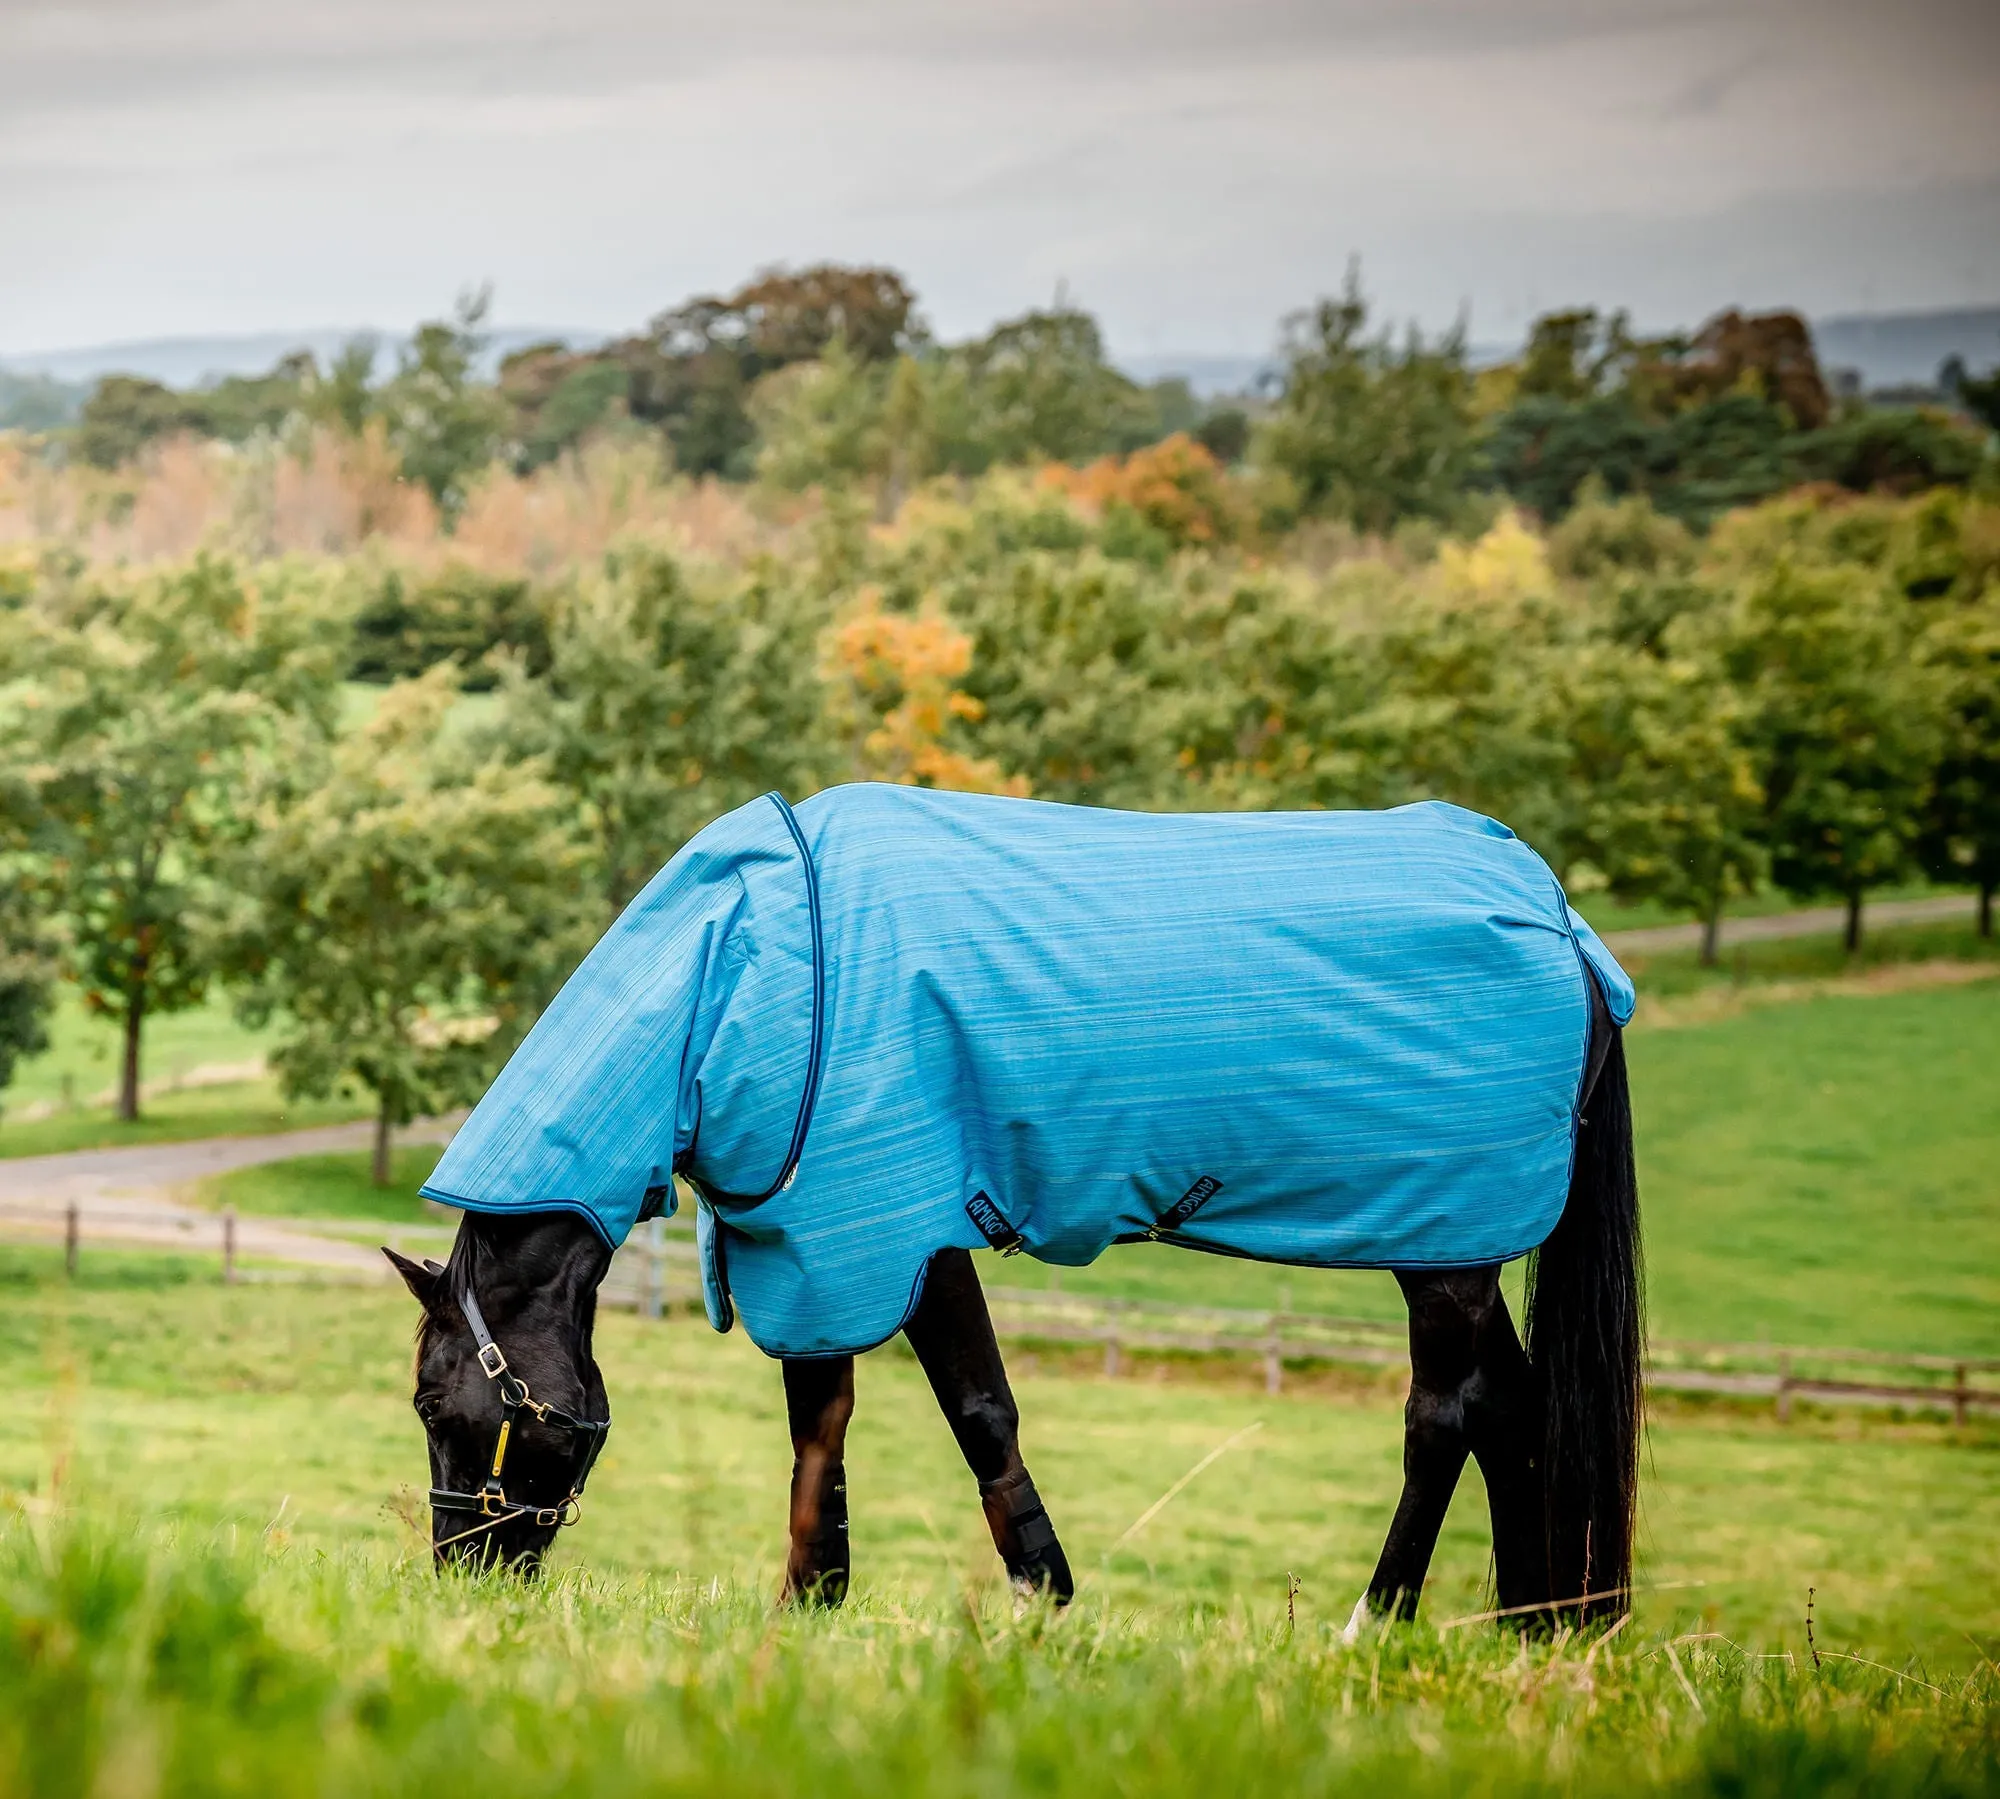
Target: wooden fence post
1111,1341
1784,1386
1959,1400
72,1235
1274,1363
229,1246
651,1288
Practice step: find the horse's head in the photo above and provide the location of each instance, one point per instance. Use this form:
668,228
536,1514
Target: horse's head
508,1390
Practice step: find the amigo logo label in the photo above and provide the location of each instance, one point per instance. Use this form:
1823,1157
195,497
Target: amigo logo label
986,1219
1189,1203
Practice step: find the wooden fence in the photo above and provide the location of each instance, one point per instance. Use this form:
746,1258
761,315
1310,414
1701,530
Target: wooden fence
655,1274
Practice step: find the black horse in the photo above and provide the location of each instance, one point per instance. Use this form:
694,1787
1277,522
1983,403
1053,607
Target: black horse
515,1408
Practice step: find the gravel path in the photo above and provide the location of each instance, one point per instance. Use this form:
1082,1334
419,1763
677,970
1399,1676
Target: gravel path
1816,922
131,1194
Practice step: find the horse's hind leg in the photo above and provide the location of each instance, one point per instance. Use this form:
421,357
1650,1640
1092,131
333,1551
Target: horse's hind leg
1470,1393
953,1337
819,1400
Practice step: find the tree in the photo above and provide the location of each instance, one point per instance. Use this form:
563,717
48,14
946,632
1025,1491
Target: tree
1040,390
1673,800
1367,430
1845,722
341,397
407,913
444,424
140,712
896,699
666,704
27,977
1960,840
127,412
822,423
27,952
690,373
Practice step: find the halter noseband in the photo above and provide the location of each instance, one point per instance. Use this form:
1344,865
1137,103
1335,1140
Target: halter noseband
491,1503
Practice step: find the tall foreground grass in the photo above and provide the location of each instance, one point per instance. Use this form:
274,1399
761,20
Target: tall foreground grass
150,1665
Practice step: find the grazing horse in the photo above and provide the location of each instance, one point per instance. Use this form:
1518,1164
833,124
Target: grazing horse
895,1026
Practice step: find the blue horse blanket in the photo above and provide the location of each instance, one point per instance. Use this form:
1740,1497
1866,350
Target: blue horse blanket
894,1020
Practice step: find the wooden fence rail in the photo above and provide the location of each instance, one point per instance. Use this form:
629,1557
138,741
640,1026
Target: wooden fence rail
655,1273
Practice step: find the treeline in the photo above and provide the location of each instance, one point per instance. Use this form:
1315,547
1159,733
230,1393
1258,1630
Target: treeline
192,795
828,378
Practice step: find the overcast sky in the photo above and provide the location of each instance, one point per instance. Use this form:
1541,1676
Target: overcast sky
1189,168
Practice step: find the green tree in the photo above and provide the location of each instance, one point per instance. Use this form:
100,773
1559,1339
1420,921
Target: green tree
1846,724
407,913
342,397
823,423
665,704
1038,389
27,950
127,412
444,423
1672,795
139,713
1960,840
1368,430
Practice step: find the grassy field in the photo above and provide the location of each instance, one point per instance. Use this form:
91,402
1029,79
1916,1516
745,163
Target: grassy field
330,1186
226,1588
64,1092
212,1577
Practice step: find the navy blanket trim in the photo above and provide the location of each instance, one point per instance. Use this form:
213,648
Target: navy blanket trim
816,1059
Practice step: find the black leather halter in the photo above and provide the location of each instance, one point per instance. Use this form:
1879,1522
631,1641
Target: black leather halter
491,1503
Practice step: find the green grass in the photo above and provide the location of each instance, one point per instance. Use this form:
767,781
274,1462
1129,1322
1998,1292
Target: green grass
226,1596
80,1067
332,1186
246,1109
81,1063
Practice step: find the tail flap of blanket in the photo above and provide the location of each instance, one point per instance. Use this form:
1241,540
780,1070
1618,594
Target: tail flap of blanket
1619,993
708,1242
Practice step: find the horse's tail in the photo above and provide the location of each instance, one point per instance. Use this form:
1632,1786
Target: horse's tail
1585,1337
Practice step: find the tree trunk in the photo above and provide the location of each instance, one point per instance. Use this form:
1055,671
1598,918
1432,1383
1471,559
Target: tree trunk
379,1166
128,1072
1853,923
1711,933
1986,908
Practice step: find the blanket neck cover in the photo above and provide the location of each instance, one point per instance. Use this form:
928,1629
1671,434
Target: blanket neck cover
896,1020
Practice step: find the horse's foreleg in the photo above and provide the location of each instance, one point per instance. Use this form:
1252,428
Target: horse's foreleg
953,1337
1444,1364
819,1400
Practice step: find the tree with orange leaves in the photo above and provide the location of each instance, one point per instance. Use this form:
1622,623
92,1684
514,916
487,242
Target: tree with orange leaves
1176,486
892,679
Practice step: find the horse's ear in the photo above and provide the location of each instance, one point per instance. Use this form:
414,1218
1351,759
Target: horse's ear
422,1278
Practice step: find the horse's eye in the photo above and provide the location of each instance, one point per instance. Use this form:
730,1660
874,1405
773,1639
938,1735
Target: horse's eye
427,1408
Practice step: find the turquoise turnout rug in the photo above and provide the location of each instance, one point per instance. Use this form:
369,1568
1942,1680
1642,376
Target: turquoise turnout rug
894,1020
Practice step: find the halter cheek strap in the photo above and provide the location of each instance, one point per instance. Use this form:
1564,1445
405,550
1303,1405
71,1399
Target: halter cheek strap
491,1503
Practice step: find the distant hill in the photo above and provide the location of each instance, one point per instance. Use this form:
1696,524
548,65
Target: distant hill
1903,349
193,361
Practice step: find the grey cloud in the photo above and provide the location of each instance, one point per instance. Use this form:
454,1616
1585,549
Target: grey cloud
1193,166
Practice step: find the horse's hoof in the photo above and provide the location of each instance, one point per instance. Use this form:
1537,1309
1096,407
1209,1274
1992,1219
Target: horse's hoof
1356,1619
821,1593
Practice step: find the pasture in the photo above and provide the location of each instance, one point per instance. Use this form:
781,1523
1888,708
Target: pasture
232,1577
213,1575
